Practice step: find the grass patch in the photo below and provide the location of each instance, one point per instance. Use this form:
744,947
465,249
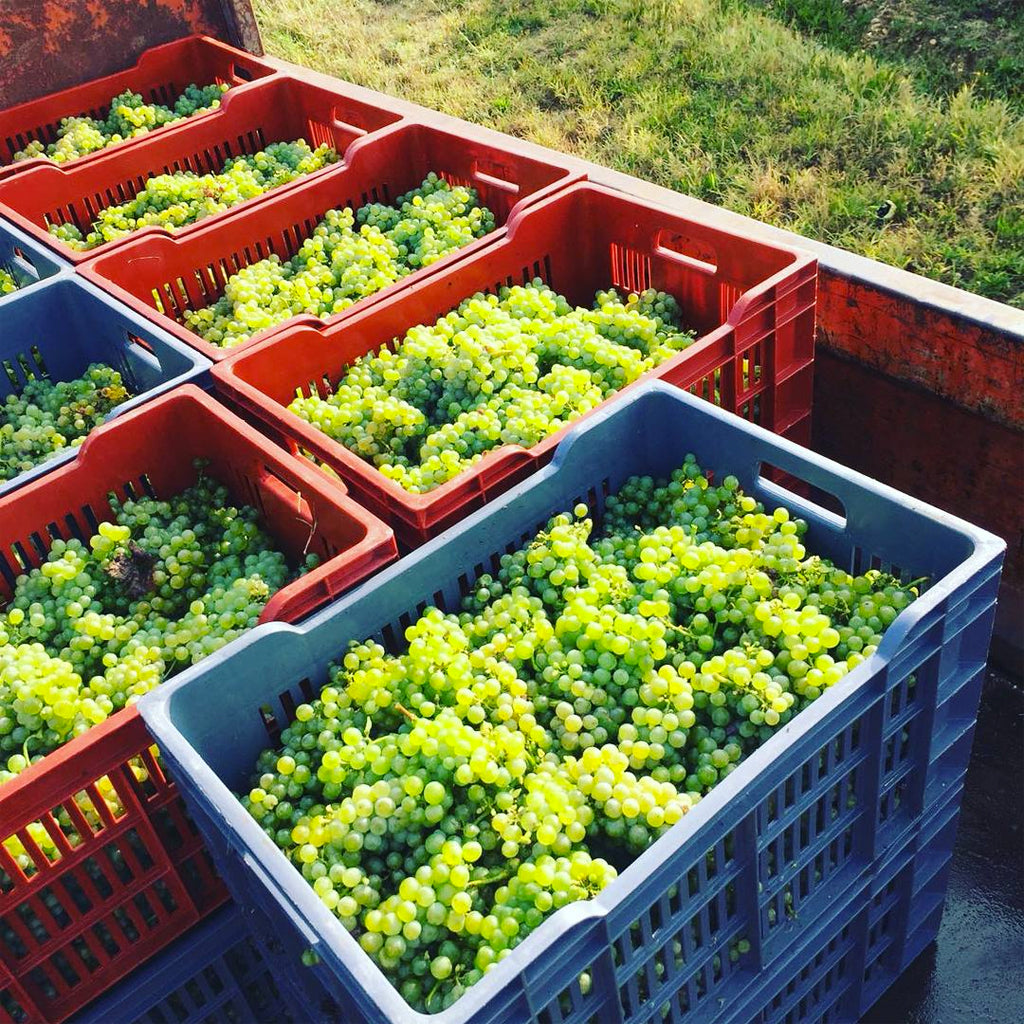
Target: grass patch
713,99
945,44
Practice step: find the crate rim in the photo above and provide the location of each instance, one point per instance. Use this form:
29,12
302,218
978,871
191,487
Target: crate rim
159,49
149,54
301,904
574,184
352,161
376,533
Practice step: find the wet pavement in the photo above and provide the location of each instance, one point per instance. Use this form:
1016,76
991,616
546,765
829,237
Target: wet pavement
974,972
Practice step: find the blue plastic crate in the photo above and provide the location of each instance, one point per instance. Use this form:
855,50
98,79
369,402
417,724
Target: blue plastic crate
802,827
859,946
26,260
214,973
59,327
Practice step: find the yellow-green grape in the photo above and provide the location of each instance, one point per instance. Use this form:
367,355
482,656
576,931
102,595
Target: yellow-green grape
98,625
502,369
444,800
46,418
128,116
349,256
8,283
183,197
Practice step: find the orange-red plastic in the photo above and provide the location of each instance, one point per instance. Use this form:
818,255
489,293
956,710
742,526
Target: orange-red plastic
133,879
136,878
188,273
160,75
280,109
751,303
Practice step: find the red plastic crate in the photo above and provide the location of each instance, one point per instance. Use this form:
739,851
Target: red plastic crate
159,75
752,304
184,273
135,879
277,110
131,883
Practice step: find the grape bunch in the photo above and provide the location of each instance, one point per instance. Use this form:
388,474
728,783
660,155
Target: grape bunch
501,369
348,256
98,624
128,116
46,418
8,283
443,800
184,197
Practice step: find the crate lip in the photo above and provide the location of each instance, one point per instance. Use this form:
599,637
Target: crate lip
150,53
403,501
735,792
37,250
197,374
352,156
76,257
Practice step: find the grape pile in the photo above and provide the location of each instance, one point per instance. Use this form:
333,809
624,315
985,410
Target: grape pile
46,417
97,625
348,256
174,200
127,116
443,801
501,369
7,282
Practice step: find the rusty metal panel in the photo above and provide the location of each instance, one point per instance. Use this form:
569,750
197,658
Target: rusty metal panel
911,438
969,363
48,45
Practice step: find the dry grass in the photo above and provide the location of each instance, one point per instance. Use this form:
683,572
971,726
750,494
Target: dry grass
713,99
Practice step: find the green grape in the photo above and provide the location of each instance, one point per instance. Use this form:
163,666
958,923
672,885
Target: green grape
183,197
160,586
349,256
8,283
444,799
128,116
45,418
508,369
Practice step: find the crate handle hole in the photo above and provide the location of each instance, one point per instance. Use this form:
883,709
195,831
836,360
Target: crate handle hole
496,182
688,251
242,72
801,496
22,263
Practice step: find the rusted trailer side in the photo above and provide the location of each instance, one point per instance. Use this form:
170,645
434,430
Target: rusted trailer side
929,399
47,45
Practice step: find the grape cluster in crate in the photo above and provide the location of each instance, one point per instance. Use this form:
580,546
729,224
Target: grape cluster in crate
128,116
444,801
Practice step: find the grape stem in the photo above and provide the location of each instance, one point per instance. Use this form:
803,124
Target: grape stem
405,711
433,992
499,876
